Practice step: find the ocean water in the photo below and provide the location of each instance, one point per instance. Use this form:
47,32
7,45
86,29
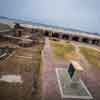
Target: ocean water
11,22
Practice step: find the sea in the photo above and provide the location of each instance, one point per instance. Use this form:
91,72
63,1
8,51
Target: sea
11,22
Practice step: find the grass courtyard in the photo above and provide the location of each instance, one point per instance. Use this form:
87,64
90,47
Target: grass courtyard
63,50
66,51
93,56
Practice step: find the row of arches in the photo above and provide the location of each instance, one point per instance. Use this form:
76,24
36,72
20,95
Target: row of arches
73,38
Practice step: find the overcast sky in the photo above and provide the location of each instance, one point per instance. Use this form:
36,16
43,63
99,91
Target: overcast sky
77,14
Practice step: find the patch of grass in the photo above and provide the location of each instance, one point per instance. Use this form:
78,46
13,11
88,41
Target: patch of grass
93,56
62,50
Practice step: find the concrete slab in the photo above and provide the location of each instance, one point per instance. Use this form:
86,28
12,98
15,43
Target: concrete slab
11,78
68,90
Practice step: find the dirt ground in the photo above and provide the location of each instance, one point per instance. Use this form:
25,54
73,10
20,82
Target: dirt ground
23,62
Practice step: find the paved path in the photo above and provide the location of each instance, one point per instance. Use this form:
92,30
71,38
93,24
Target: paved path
50,85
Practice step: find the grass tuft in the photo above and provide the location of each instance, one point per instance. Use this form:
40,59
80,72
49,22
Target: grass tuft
93,56
62,50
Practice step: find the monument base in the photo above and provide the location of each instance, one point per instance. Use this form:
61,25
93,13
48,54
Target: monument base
70,89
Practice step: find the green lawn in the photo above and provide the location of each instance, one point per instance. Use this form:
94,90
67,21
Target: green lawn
93,56
62,50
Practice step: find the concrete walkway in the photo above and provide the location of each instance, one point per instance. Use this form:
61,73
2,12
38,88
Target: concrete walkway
50,88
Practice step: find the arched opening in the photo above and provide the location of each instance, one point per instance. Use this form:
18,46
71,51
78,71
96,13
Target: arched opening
95,42
85,40
46,33
75,38
64,36
19,33
56,35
